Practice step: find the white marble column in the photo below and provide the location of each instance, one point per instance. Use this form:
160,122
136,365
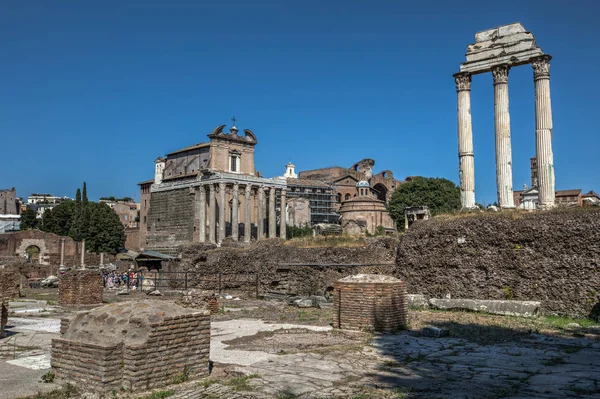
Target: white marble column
234,212
260,217
248,214
272,214
222,210
83,254
101,258
283,216
62,251
466,159
543,131
502,130
201,212
212,214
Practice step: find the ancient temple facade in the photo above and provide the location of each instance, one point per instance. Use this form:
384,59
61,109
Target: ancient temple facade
209,192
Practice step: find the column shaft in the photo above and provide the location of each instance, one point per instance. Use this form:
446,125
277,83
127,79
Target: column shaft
248,214
283,216
234,213
83,254
201,204
260,214
62,251
272,214
502,129
222,210
543,131
466,161
212,221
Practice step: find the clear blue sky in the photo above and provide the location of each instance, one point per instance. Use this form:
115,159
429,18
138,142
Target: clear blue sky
96,90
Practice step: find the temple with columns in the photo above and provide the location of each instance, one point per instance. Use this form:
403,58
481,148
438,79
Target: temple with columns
209,192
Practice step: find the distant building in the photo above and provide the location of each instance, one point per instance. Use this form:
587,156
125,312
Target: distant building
365,213
127,211
45,199
10,223
591,198
9,203
569,197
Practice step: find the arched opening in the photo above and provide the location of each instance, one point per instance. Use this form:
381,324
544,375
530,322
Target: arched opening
347,197
32,253
382,191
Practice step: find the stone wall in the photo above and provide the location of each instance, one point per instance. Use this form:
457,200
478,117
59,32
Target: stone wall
80,287
370,302
132,239
284,267
169,221
552,257
132,346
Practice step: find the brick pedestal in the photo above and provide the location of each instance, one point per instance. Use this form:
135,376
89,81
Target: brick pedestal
370,302
142,348
80,287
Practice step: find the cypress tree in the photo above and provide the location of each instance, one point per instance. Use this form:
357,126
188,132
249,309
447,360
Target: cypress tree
78,196
84,197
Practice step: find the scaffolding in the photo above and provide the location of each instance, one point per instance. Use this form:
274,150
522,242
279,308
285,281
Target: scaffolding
322,197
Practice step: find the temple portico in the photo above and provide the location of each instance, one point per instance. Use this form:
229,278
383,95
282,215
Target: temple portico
497,51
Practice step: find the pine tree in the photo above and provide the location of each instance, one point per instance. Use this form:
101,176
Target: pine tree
78,196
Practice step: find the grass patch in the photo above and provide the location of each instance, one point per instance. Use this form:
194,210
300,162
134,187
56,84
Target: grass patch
159,395
207,382
241,383
66,392
561,322
345,241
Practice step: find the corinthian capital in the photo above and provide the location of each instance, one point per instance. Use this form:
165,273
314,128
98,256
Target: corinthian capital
541,66
500,73
463,81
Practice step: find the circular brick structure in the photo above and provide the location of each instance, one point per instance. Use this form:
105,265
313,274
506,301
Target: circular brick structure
370,302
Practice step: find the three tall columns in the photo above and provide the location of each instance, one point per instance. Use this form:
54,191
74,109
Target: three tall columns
543,126
466,160
543,131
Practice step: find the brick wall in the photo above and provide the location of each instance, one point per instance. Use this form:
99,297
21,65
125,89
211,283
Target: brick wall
370,306
10,281
3,315
177,346
80,287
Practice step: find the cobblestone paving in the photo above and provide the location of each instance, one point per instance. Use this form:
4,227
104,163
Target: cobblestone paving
406,365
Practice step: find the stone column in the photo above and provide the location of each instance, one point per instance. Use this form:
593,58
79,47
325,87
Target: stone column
222,210
272,214
101,258
248,214
260,213
543,131
234,212
283,216
62,251
201,212
212,214
502,129
466,159
83,254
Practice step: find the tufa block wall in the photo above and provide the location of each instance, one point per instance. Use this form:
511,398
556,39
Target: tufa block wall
80,287
169,220
10,282
370,302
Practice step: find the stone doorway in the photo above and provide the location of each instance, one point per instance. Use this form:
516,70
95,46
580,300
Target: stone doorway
32,253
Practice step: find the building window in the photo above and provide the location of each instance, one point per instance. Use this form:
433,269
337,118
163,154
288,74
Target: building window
347,197
126,217
234,163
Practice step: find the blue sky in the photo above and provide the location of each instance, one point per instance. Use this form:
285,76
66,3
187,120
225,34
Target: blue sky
95,91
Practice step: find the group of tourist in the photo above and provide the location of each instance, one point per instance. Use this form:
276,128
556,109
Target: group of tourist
114,279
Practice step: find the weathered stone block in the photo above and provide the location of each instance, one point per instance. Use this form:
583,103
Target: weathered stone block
508,308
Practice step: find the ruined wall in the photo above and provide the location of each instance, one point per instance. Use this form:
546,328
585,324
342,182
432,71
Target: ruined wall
170,219
3,314
286,268
132,239
552,257
80,287
10,281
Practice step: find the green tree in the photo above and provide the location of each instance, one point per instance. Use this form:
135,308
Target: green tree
84,198
28,220
105,231
439,194
59,220
78,196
